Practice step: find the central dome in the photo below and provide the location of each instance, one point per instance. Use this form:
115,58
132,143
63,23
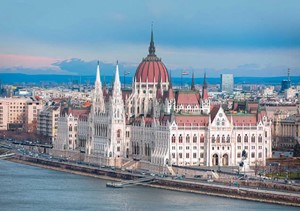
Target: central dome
151,67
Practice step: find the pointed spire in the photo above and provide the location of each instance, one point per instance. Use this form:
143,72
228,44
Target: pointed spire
170,91
104,82
152,47
117,83
98,81
170,81
204,89
204,81
193,83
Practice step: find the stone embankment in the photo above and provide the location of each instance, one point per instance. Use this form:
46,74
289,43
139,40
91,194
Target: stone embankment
277,197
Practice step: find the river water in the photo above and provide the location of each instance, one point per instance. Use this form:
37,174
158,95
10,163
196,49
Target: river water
25,187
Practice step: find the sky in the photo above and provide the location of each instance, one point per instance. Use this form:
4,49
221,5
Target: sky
245,38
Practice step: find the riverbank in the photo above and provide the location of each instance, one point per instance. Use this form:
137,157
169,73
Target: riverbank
170,184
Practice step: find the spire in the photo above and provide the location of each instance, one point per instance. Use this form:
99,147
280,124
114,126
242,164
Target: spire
170,81
204,81
152,47
170,91
204,89
117,83
98,100
193,83
98,82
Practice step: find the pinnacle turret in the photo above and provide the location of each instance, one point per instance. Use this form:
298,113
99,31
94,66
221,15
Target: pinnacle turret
152,47
193,83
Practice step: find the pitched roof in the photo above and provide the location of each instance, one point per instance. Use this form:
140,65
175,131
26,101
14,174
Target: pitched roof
191,120
187,97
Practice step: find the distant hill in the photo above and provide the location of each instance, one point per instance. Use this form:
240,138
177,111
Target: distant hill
18,78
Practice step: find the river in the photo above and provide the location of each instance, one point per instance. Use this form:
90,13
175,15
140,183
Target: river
24,187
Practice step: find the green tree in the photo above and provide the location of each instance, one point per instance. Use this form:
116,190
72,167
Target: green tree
297,150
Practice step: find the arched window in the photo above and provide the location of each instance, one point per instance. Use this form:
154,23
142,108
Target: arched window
213,139
223,138
259,138
70,128
253,155
180,138
239,138
173,138
195,139
201,138
246,138
218,139
228,139
253,138
187,139
118,133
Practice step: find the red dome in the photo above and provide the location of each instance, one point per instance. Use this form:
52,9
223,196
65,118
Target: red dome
151,67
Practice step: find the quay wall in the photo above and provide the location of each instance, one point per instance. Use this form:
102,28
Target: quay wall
179,185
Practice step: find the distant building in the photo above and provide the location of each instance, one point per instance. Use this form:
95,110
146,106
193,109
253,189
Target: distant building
19,113
286,84
289,93
227,83
47,121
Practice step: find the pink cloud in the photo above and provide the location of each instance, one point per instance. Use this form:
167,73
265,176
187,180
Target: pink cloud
12,60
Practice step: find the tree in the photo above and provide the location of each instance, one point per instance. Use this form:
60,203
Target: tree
297,150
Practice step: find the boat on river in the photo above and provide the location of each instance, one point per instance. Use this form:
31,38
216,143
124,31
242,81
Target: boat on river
114,185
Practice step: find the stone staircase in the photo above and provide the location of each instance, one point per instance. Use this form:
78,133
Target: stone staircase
131,164
170,169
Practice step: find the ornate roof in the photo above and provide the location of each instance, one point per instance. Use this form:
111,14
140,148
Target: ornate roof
151,68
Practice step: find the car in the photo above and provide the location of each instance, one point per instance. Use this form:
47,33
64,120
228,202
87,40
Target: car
197,176
152,174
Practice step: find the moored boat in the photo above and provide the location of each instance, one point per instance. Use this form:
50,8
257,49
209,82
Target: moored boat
114,185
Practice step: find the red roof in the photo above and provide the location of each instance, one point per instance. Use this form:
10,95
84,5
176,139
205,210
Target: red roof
188,98
204,94
243,120
191,120
151,68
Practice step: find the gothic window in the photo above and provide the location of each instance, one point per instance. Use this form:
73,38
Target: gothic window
252,155
173,155
195,139
187,155
180,155
259,155
194,155
223,122
118,133
259,138
266,134
223,138
239,138
70,128
253,138
246,138
187,139
180,139
173,138
213,139
218,139
201,138
228,139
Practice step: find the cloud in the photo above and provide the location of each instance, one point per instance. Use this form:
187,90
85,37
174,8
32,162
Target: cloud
81,67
